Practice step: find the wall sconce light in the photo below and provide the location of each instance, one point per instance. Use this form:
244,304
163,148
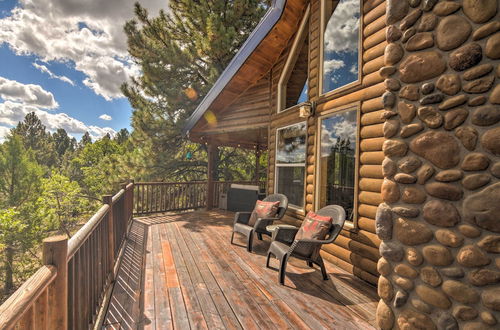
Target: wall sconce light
306,110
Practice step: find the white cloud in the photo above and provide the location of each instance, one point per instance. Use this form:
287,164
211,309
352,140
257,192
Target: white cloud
46,70
342,30
332,65
105,117
88,34
4,131
354,69
11,90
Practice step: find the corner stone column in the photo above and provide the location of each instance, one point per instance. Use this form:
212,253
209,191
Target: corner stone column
440,220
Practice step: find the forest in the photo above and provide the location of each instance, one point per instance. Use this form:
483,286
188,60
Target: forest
50,183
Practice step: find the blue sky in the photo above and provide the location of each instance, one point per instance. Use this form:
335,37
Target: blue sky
66,60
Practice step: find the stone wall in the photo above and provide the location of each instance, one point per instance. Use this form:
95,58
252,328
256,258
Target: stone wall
440,220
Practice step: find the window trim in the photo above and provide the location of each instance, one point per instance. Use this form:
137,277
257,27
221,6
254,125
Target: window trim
353,226
304,164
350,85
290,62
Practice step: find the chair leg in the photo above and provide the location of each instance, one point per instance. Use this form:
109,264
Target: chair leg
310,264
259,236
232,237
323,269
282,271
250,241
268,259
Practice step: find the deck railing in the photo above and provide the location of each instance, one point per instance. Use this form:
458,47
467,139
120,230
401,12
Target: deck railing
68,291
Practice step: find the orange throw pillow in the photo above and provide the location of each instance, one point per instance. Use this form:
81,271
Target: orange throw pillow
314,226
263,210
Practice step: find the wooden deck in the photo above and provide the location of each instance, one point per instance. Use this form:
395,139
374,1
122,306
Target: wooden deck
180,271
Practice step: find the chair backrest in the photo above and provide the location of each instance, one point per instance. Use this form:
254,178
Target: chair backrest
283,203
337,213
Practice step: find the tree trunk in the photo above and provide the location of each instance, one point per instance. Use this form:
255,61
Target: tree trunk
9,271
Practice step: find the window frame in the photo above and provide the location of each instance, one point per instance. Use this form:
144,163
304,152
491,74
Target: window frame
304,165
349,225
350,85
290,63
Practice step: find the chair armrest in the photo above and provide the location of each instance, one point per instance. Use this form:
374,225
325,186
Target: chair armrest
262,223
242,217
285,235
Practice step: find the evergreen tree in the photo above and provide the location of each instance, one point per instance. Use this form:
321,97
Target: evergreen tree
122,136
86,139
63,143
181,54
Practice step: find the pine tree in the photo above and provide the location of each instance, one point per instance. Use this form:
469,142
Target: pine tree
181,54
86,139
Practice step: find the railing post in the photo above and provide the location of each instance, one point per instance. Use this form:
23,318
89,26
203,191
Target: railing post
212,154
55,252
108,199
131,200
126,204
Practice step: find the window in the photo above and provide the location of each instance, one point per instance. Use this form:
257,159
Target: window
293,86
340,42
337,160
290,163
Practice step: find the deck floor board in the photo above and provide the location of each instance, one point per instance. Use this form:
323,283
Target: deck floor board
180,272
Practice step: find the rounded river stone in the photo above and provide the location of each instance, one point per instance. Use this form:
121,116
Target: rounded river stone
430,117
385,289
492,49
390,191
421,66
437,255
475,161
383,267
465,57
413,195
469,231
427,23
430,276
449,84
478,71
449,175
433,297
460,292
491,141
490,243
424,173
481,277
444,190
468,136
411,232
479,85
471,256
408,212
491,298
441,213
396,10
410,19
448,238
479,11
411,130
393,54
439,148
384,316
414,257
391,251
465,313
486,30
407,111
486,115
446,8
455,118
410,319
419,41
409,92
483,208
452,31
475,181
453,102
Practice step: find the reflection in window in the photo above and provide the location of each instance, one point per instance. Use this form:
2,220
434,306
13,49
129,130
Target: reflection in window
290,163
340,43
337,164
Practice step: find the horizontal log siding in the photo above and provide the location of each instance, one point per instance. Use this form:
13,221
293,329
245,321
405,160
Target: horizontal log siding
355,250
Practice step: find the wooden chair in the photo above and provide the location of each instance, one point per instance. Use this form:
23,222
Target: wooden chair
284,244
241,221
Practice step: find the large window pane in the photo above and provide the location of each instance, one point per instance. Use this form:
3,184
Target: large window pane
337,165
291,147
340,43
291,184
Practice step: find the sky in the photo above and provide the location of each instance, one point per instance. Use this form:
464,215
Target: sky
65,60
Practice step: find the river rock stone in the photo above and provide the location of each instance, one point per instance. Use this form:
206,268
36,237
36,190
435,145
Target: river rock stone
469,231
453,272
427,5
478,71
409,164
408,212
430,117
446,8
465,313
413,195
491,141
384,267
446,321
490,243
421,66
385,289
409,92
393,148
479,11
414,3
495,95
405,178
441,213
404,283
408,34
414,257
410,130
393,33
421,306
448,238
449,84
410,319
424,173
407,111
430,276
393,53
475,162
392,84
388,167
452,31
439,148
477,100
475,181
432,296
400,298
479,85
455,118
383,222
427,88
390,128
388,99
465,57
387,71
431,99
411,232
491,298
384,316
481,277
444,190
427,23
437,255
486,115
471,256
405,271
488,318
468,136
410,19
391,251
396,10
486,30
453,102
390,191
483,209
460,292
495,170
419,41
449,175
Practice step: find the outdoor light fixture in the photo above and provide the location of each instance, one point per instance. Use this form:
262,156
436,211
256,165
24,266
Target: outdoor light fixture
306,110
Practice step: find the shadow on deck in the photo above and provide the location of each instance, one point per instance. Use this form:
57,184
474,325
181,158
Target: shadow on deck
180,271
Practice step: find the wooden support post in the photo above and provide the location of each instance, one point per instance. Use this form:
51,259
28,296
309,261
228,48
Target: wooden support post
108,199
212,154
55,253
257,165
